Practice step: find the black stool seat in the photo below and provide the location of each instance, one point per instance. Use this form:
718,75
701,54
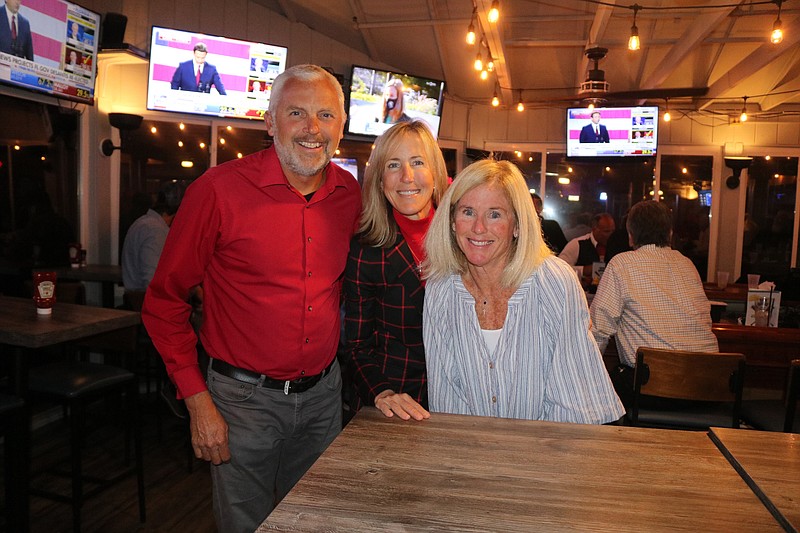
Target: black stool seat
76,385
73,380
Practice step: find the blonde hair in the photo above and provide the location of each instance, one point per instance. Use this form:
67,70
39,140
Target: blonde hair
377,226
527,252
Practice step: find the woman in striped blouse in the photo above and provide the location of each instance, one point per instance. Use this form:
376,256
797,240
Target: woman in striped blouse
505,323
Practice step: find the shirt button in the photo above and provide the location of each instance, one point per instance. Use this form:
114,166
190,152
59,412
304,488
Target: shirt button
309,239
307,340
309,274
302,372
491,365
494,399
309,308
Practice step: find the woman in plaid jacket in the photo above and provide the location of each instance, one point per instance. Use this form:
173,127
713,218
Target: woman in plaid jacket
383,288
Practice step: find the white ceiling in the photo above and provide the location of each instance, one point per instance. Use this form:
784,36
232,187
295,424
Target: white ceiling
538,47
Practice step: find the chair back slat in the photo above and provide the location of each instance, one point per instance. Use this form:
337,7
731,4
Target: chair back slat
712,377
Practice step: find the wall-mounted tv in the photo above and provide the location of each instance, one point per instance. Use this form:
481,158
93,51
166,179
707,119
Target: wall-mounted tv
52,48
234,81
610,132
380,98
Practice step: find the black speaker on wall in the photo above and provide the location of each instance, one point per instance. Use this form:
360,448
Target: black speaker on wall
112,32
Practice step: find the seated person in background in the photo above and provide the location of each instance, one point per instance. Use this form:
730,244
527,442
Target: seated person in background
140,253
145,239
383,289
553,235
619,241
589,248
505,324
651,296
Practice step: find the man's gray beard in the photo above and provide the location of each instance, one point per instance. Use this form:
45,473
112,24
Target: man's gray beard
290,159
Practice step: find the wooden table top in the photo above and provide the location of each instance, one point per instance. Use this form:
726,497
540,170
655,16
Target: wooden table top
21,326
465,473
107,273
770,464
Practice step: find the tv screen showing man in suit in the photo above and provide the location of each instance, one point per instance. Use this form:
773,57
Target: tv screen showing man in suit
594,132
15,31
196,74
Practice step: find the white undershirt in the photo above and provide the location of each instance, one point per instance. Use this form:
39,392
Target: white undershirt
491,337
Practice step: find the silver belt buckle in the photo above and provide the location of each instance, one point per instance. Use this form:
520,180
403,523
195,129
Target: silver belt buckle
286,385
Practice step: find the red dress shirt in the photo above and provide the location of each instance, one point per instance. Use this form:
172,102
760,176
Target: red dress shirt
270,263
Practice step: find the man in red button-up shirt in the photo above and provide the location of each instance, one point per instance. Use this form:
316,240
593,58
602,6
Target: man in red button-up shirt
267,237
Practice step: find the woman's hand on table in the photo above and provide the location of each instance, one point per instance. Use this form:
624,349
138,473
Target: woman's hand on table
390,403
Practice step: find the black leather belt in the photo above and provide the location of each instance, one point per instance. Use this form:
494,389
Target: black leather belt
262,380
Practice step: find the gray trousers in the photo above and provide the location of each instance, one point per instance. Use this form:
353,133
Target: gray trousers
274,438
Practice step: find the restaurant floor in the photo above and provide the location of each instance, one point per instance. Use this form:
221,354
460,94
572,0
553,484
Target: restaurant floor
177,500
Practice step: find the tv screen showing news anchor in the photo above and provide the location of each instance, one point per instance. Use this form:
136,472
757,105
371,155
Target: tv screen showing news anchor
49,46
622,131
211,75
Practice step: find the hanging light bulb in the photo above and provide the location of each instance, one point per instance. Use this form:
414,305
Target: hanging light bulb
520,105
478,62
471,29
494,12
743,116
484,75
495,99
667,117
590,108
633,42
776,37
490,64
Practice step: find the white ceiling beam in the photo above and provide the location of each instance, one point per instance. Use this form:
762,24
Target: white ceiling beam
493,32
781,94
601,19
759,59
441,43
703,25
369,42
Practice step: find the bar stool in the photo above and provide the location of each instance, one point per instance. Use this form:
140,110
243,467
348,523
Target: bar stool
15,430
75,385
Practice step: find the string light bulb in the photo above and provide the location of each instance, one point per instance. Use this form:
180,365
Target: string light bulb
478,62
490,65
743,116
520,105
494,12
484,75
667,117
776,37
633,42
471,29
495,99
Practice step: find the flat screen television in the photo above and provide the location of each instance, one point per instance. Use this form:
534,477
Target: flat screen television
621,132
380,98
236,78
55,50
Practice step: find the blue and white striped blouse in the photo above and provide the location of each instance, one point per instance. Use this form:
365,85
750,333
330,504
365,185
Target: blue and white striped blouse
546,365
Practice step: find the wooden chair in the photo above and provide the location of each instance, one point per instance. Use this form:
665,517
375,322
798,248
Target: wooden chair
777,415
687,390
